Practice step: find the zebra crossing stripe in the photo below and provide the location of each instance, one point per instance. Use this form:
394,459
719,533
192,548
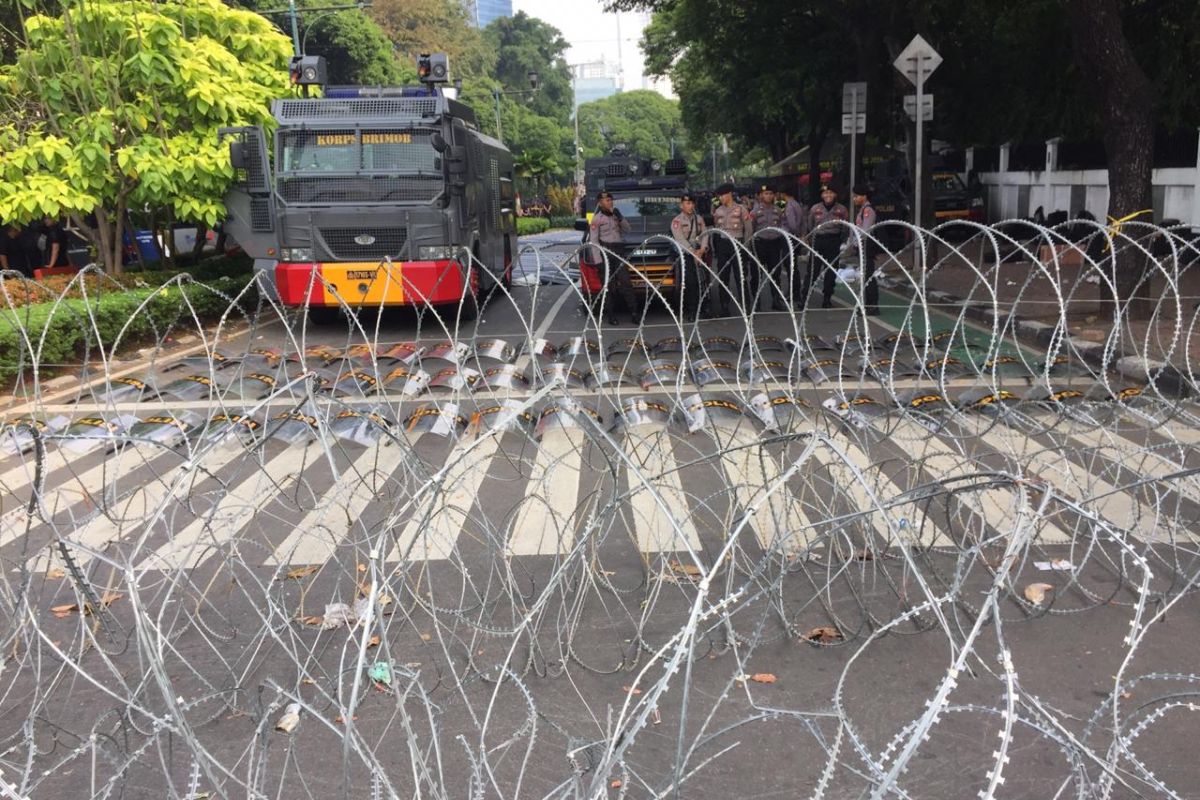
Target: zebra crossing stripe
138,506
1117,506
661,516
433,530
1155,463
779,520
192,546
998,505
544,523
316,537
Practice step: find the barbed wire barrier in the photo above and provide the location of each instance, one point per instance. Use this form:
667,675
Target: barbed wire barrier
930,553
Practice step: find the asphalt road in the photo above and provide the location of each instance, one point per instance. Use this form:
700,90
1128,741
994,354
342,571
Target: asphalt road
528,583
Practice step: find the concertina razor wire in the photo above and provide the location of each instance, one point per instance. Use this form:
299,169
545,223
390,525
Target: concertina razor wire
406,554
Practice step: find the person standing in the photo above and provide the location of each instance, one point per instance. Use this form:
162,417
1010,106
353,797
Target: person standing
57,243
687,229
770,247
733,220
865,220
605,234
826,236
18,251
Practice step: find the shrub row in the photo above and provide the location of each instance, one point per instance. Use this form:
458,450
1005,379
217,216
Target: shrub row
65,332
527,226
567,221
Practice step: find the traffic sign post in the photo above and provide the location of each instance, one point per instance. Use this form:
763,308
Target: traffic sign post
917,62
910,107
854,121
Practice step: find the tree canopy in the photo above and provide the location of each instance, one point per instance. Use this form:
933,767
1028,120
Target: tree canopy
115,104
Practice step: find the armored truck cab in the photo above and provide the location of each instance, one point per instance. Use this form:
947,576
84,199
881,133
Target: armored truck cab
375,197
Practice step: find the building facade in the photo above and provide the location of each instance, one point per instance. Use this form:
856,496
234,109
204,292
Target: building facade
594,81
482,12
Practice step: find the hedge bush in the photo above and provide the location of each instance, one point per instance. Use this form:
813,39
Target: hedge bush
565,221
68,331
527,226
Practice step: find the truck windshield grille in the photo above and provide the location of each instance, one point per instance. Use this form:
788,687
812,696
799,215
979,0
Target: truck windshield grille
364,244
361,189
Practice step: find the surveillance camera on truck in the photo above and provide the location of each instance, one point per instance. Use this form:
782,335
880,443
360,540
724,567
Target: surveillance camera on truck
375,197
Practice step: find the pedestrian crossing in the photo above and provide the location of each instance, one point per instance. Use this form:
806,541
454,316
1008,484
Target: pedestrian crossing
307,503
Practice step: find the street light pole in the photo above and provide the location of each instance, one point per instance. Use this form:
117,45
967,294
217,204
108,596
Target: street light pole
295,28
499,130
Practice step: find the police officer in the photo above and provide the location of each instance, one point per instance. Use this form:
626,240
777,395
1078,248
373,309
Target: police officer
605,234
688,231
770,244
864,220
826,237
734,220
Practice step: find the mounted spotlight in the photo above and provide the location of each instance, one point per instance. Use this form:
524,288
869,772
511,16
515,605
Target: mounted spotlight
308,71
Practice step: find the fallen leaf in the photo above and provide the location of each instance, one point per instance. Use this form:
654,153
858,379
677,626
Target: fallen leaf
373,641
616,784
340,720
425,637
54,574
290,719
763,677
109,598
308,682
656,717
64,610
1126,695
317,620
301,572
362,567
631,690
824,634
691,570
1036,592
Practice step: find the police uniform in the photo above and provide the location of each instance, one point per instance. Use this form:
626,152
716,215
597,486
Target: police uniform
735,221
770,246
687,230
607,252
827,239
864,221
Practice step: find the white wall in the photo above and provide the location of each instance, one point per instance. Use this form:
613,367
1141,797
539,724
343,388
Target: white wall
1053,193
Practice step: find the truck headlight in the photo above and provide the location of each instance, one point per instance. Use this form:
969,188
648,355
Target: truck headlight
436,252
295,254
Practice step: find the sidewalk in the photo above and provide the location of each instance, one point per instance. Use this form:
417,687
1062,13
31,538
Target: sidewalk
1045,295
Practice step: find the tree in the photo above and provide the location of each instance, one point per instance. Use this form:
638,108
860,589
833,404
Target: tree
646,121
427,26
115,104
523,43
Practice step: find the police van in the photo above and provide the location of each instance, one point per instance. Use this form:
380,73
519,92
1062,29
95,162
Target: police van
647,193
375,197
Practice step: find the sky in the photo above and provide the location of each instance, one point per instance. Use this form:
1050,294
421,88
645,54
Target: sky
592,33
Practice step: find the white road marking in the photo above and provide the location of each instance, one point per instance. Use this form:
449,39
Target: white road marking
192,546
433,530
545,521
662,518
316,537
779,520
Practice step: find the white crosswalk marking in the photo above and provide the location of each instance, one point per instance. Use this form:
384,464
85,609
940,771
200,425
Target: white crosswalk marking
996,505
1160,463
192,546
1118,507
64,487
318,535
661,514
544,524
842,471
779,519
433,530
141,504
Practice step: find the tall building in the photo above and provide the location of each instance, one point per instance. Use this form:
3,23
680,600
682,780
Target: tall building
482,12
595,80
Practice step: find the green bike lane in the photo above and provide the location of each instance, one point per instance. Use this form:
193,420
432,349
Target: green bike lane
972,343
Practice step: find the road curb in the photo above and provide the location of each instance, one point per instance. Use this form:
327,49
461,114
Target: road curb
1164,377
